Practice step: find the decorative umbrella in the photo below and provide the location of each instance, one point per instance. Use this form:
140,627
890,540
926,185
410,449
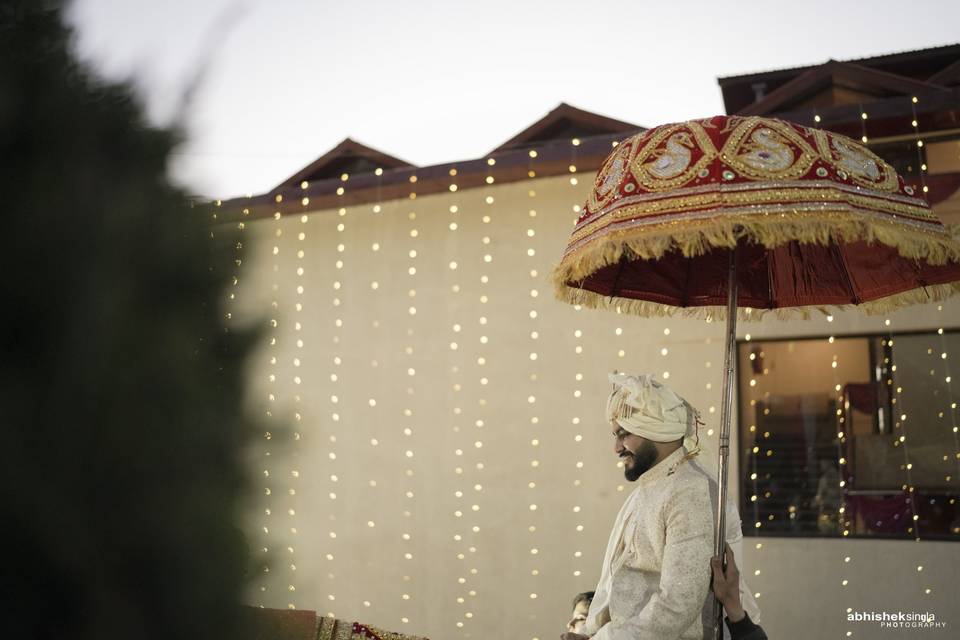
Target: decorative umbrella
733,216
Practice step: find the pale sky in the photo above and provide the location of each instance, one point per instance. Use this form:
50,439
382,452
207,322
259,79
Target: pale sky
282,81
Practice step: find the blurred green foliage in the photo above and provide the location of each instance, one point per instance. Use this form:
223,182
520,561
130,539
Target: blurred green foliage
121,479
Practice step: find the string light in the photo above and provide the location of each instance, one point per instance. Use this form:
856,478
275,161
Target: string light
408,415
750,414
237,266
900,421
272,389
952,424
577,394
760,477
580,407
331,467
455,375
534,495
480,416
921,153
296,376
863,125
844,475
232,305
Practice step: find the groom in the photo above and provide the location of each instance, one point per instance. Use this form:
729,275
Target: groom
655,579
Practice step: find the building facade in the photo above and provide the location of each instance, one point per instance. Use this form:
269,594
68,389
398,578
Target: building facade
440,465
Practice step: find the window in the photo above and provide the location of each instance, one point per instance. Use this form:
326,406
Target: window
853,436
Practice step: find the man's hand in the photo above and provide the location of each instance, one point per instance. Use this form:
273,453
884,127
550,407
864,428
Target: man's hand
726,585
573,636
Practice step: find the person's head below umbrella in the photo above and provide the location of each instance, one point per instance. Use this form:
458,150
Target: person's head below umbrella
649,422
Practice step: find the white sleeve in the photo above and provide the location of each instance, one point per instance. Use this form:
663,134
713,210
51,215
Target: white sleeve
599,613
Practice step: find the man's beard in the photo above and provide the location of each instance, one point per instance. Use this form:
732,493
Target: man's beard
641,461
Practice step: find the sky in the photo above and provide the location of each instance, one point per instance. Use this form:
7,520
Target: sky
263,87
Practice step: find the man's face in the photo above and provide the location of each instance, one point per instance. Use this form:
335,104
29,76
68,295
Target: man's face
637,453
579,617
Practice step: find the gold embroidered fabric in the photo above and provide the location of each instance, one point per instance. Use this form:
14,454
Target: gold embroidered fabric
335,629
766,149
672,156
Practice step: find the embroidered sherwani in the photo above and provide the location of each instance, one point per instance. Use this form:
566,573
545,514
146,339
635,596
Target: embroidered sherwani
655,579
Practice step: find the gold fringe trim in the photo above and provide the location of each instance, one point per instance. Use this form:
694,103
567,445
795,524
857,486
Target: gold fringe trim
647,309
653,241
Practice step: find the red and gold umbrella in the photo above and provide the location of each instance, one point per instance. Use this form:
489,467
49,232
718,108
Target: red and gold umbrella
709,217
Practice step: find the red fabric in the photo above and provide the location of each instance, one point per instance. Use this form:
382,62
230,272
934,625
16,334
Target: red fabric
791,275
862,396
364,632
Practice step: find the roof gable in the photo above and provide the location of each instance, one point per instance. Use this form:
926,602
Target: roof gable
948,76
836,83
347,157
564,123
930,65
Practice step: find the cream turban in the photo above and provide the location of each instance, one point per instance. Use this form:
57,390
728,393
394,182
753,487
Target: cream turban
650,409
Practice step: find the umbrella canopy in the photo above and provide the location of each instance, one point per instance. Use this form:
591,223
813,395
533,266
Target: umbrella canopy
819,220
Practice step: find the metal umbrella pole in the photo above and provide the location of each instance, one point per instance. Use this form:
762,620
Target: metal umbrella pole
726,411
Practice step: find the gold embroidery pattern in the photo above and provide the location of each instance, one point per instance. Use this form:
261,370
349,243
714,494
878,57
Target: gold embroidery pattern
825,194
862,165
385,635
766,149
666,160
326,629
705,221
705,218
696,210
730,124
344,630
335,629
611,176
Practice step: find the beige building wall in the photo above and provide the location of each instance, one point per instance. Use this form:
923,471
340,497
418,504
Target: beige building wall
447,471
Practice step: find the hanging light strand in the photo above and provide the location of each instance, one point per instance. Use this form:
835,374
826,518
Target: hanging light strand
900,420
921,150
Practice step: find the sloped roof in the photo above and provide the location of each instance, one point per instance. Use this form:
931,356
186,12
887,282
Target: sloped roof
564,123
347,157
739,91
930,57
834,73
948,76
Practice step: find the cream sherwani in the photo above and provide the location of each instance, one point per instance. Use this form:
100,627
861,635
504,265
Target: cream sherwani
655,579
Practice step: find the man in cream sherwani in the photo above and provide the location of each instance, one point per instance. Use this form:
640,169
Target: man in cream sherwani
655,579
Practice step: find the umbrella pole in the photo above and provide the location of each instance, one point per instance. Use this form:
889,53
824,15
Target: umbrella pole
726,411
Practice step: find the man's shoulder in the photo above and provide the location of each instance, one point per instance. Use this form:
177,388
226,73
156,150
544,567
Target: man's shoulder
690,477
692,471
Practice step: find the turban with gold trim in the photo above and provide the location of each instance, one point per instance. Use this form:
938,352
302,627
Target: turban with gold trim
650,409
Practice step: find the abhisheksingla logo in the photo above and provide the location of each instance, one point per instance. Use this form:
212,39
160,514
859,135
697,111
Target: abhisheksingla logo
898,619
